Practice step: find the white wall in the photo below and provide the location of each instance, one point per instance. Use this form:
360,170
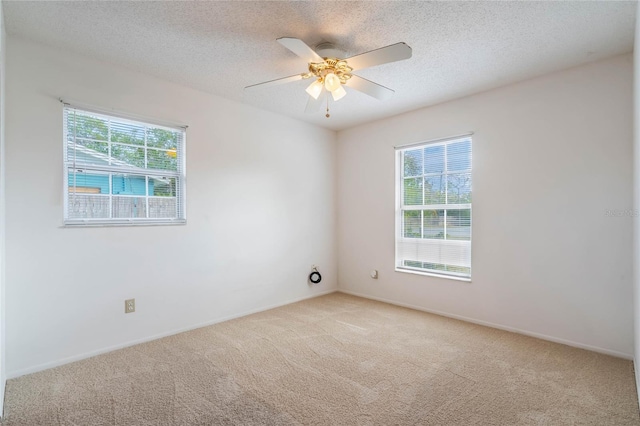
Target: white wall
3,371
260,208
550,155
636,200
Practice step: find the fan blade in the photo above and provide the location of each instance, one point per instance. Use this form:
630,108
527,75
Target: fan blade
369,88
276,81
313,105
300,48
384,55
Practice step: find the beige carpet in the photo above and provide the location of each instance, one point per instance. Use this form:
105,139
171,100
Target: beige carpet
333,360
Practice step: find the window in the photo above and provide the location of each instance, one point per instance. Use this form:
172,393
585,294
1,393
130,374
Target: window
120,171
433,230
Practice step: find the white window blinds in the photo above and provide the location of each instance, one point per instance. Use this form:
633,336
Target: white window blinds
433,229
120,171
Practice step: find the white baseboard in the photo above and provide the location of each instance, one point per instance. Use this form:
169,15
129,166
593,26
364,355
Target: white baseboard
52,364
498,326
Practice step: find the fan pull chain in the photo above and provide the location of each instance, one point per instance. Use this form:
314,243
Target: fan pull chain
327,114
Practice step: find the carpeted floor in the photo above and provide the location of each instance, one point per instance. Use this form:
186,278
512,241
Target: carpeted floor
333,360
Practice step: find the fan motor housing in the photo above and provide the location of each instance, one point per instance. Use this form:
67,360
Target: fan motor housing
328,50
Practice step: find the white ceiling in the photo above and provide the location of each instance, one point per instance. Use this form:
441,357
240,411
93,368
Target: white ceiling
459,48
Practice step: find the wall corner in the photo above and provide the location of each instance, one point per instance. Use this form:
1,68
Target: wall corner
636,201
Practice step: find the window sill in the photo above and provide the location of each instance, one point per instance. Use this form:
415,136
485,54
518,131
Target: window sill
97,223
432,274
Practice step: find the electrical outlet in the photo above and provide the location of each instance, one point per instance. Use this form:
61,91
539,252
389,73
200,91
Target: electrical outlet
129,306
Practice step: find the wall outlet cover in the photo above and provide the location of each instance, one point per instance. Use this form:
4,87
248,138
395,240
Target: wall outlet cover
129,306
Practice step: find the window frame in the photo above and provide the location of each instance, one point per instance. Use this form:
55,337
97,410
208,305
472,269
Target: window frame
399,236
112,171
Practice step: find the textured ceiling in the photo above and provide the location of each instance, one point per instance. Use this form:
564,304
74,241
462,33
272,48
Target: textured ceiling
459,48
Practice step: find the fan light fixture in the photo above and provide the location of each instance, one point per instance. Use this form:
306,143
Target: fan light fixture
331,82
338,93
331,74
315,89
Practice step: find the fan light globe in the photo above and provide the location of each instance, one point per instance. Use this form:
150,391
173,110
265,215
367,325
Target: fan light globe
315,89
331,82
338,93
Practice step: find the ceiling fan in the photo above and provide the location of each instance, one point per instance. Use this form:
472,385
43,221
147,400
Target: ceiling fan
330,72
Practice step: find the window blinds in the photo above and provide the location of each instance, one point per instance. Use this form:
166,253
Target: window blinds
122,171
434,208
